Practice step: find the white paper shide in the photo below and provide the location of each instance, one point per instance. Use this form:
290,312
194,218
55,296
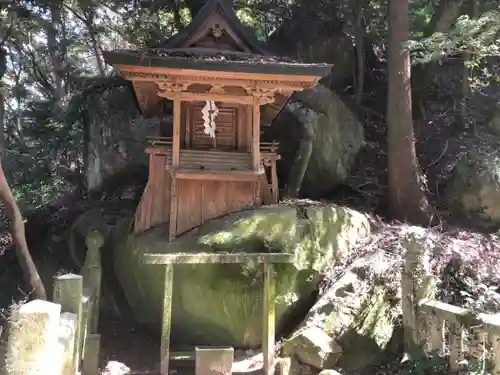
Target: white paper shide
209,112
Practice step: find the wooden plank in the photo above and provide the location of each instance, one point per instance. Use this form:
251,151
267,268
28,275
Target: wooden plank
268,319
242,195
209,258
213,175
154,206
193,96
214,199
166,322
189,207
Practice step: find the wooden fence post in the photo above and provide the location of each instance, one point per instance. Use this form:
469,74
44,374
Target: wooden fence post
68,292
417,284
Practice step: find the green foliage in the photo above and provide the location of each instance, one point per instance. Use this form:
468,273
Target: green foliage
481,37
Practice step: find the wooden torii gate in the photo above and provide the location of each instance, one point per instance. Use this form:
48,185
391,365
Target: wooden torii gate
268,295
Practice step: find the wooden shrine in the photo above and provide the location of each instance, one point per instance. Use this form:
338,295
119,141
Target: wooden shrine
224,84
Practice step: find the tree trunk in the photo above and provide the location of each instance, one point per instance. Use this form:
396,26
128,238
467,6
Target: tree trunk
444,17
360,56
467,72
30,273
54,47
31,277
2,121
407,198
3,67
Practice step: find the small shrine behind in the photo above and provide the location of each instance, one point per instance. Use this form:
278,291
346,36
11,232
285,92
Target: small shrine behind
224,85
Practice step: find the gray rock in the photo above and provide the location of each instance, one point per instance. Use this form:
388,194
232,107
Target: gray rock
473,191
329,372
312,346
357,312
337,137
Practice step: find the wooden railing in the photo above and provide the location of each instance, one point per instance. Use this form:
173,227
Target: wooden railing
60,337
462,334
265,147
431,326
213,160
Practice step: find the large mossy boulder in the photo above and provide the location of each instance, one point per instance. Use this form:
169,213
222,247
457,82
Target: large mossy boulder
473,191
356,315
337,136
221,304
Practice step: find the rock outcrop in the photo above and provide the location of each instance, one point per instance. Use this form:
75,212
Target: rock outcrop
353,321
221,304
473,190
336,137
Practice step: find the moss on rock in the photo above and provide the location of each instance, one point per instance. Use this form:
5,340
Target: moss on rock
221,304
473,192
357,312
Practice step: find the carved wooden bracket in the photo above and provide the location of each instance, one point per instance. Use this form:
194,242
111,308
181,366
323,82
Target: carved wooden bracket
217,89
265,95
133,75
170,89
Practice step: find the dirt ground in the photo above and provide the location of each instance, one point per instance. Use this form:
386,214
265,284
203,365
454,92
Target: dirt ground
133,347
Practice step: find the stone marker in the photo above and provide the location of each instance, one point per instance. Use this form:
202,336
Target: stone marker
214,360
33,339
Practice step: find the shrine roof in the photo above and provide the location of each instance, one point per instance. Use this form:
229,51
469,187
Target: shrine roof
226,9
215,40
215,60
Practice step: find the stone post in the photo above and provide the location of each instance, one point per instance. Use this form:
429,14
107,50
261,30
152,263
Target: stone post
417,284
68,292
92,274
33,336
66,344
91,360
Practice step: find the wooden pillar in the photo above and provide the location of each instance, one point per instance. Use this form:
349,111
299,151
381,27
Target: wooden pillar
256,146
256,133
268,319
166,322
274,181
172,230
176,135
176,148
